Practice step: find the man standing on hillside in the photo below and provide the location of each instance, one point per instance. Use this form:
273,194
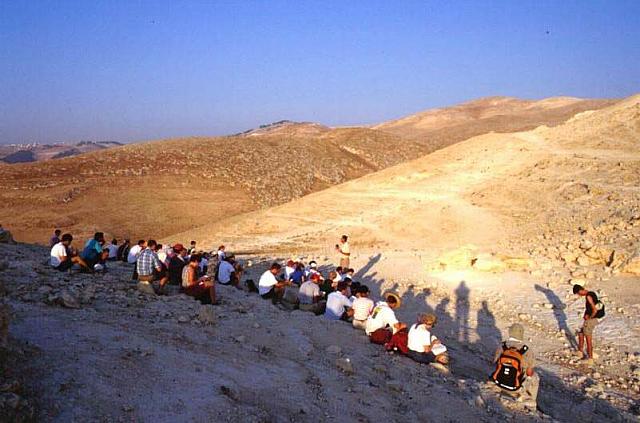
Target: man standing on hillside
343,251
594,310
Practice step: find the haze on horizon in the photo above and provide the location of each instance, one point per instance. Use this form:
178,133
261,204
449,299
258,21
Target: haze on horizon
124,71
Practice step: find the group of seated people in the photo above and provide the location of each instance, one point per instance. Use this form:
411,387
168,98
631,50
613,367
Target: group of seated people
338,297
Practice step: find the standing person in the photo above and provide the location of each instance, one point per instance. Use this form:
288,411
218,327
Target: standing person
135,251
515,364
362,307
343,251
339,304
269,287
176,264
55,238
203,288
149,268
593,310
113,250
123,250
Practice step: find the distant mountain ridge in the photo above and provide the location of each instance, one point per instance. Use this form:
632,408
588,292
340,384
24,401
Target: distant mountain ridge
26,153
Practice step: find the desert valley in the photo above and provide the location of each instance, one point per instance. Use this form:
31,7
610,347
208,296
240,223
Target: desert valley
484,213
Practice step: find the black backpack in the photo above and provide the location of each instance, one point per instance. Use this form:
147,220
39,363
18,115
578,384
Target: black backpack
509,373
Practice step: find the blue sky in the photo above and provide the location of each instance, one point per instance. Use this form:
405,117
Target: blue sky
139,70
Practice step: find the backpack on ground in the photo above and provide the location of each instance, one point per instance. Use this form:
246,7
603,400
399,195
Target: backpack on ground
509,373
398,342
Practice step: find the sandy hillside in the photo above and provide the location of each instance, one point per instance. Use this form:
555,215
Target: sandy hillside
438,128
493,229
160,188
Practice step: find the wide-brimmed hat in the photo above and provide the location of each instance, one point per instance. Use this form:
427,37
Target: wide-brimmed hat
395,296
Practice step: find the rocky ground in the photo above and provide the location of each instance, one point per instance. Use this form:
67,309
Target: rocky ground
92,348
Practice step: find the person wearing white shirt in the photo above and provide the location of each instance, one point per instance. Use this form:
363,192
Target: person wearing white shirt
384,317
61,257
113,250
362,307
344,252
423,346
221,254
289,269
338,304
226,273
269,287
135,251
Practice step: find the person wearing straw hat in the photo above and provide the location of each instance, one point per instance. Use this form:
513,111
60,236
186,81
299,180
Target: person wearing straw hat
383,318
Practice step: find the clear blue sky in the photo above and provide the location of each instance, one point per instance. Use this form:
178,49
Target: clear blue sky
136,70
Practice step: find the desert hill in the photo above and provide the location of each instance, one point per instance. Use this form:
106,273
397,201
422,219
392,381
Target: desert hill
491,231
440,127
164,187
159,188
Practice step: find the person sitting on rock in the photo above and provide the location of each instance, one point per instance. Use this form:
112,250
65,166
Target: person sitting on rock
150,269
289,269
226,272
310,297
123,250
201,288
422,345
269,287
192,248
221,253
204,263
528,381
338,304
297,276
62,256
55,238
362,307
135,251
113,250
177,262
93,252
593,311
382,323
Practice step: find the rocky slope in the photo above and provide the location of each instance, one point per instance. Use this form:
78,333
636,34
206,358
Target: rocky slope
121,355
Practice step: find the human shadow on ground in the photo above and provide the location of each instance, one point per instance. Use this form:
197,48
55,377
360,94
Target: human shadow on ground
559,314
462,312
569,404
489,335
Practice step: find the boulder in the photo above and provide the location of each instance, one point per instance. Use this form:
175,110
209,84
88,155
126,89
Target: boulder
633,266
68,300
207,314
344,365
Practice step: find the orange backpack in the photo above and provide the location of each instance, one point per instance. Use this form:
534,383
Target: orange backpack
509,373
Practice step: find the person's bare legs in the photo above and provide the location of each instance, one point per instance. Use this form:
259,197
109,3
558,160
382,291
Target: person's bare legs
589,346
212,291
581,342
78,260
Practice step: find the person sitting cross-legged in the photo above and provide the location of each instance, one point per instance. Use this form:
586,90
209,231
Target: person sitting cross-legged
362,307
62,257
338,304
150,269
269,287
310,297
423,346
203,288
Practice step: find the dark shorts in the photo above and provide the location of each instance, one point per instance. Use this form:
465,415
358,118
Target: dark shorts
269,295
199,292
424,358
65,265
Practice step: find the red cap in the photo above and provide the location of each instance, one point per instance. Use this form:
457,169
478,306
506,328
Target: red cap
315,277
178,247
